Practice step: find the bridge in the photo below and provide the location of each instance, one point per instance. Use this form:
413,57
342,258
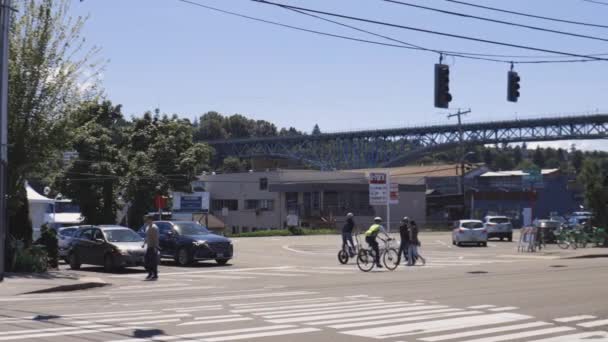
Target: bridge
394,147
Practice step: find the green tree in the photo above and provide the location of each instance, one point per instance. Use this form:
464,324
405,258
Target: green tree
238,126
232,164
210,127
517,155
316,130
539,158
577,161
503,162
594,179
48,64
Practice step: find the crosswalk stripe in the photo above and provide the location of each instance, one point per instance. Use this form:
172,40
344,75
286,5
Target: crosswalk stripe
153,322
217,317
511,337
205,271
63,333
237,297
271,274
355,314
261,334
594,336
202,307
594,324
121,319
17,332
333,310
481,306
327,306
412,318
506,308
358,319
438,325
176,289
574,318
213,321
257,304
302,306
219,276
484,331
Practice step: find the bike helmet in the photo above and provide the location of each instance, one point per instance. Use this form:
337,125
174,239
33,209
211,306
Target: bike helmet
405,219
378,219
350,215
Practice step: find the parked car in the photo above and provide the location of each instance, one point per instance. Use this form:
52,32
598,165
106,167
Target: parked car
187,242
64,238
499,227
548,229
469,231
109,246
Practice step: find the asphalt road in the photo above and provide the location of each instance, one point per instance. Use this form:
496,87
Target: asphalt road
293,289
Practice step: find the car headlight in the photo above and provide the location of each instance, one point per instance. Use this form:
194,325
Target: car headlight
121,251
200,243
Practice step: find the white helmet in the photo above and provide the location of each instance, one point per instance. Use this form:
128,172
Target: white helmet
378,219
405,219
350,215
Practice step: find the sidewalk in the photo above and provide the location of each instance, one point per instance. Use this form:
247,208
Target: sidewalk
52,281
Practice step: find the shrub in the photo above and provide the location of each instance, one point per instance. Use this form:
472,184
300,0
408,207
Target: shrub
32,259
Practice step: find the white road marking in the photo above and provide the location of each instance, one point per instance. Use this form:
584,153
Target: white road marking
263,304
365,319
270,274
218,276
203,307
593,336
355,314
217,317
225,298
574,318
405,319
131,292
486,306
134,318
213,321
299,306
287,248
333,310
437,326
63,333
485,331
261,334
594,324
36,330
205,271
26,298
153,322
506,308
511,337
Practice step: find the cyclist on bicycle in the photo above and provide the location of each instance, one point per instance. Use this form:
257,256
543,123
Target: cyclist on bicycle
347,234
370,238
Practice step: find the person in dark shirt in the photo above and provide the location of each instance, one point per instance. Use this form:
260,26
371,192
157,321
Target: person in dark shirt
413,254
347,234
404,231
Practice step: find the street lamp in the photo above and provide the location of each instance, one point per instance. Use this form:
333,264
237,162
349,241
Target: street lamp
462,189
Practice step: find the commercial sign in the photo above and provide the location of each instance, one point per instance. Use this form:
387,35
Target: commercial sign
394,193
378,188
196,201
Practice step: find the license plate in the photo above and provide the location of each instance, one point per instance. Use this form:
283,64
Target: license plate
220,255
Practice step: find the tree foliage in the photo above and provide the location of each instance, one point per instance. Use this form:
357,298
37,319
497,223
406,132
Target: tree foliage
594,178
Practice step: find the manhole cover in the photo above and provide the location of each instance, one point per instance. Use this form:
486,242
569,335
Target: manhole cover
477,272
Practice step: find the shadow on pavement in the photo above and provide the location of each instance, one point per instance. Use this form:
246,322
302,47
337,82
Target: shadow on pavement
46,275
147,333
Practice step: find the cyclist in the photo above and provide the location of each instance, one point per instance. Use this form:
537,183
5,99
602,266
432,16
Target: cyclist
370,238
347,234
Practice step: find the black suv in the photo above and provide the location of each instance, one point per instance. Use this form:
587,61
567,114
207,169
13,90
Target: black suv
187,242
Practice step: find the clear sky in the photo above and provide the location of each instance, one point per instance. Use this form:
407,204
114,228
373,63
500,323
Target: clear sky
189,60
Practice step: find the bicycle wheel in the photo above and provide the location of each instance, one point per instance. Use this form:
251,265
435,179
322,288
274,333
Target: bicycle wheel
390,259
581,243
343,257
365,260
562,243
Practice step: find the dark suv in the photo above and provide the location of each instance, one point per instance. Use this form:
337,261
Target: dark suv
187,242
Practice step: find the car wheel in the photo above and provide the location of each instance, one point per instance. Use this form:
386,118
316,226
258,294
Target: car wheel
183,257
222,261
108,263
510,237
453,242
484,244
74,262
459,244
502,238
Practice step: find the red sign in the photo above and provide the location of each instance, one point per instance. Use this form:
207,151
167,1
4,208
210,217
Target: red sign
160,202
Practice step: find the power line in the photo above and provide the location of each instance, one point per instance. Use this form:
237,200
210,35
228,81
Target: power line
597,2
464,15
527,14
480,40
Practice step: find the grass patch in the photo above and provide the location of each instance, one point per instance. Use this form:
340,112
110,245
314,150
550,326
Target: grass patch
285,232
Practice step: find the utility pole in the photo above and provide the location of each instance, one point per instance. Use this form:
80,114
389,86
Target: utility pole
5,15
459,115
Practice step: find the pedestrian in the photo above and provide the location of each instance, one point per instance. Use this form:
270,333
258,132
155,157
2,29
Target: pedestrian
414,245
347,235
152,244
404,232
48,238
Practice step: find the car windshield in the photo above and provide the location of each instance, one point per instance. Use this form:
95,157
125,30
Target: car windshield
471,225
121,235
500,220
191,228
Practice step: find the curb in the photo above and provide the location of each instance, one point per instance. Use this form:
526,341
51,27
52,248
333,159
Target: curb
588,256
83,285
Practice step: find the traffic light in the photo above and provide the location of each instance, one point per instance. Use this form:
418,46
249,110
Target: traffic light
513,86
442,86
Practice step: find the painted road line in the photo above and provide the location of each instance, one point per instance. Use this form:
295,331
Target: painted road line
594,324
270,274
512,337
209,333
26,298
202,307
486,306
484,331
215,321
302,306
131,292
105,314
257,304
37,330
438,325
219,276
333,310
574,318
63,333
160,321
405,319
357,319
205,271
593,336
354,314
312,307
287,248
261,334
505,308
135,318
226,298
217,317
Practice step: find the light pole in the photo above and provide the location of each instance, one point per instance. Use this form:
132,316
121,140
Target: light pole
462,188
5,8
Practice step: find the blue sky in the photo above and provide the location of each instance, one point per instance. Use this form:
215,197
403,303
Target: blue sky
189,60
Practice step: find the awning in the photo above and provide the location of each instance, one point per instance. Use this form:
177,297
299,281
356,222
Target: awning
35,197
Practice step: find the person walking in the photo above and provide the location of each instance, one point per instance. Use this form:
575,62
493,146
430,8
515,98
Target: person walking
414,244
404,232
152,244
347,235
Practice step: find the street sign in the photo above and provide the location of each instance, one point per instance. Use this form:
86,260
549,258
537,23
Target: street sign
394,193
160,202
378,188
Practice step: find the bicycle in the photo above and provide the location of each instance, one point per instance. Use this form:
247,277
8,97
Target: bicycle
366,258
597,236
349,252
565,238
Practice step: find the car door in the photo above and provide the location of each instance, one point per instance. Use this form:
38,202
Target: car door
98,247
82,245
167,239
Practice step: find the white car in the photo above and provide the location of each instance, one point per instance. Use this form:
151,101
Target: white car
469,231
499,227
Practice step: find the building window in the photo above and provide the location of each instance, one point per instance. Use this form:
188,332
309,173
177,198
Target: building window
263,183
259,204
218,204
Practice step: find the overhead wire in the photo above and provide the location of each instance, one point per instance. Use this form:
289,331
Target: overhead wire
503,22
597,2
527,14
445,34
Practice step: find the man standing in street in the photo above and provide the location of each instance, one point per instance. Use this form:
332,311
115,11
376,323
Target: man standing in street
347,235
404,232
152,251
413,253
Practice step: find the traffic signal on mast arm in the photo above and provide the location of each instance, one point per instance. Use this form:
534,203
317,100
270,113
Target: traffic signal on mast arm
442,86
513,86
